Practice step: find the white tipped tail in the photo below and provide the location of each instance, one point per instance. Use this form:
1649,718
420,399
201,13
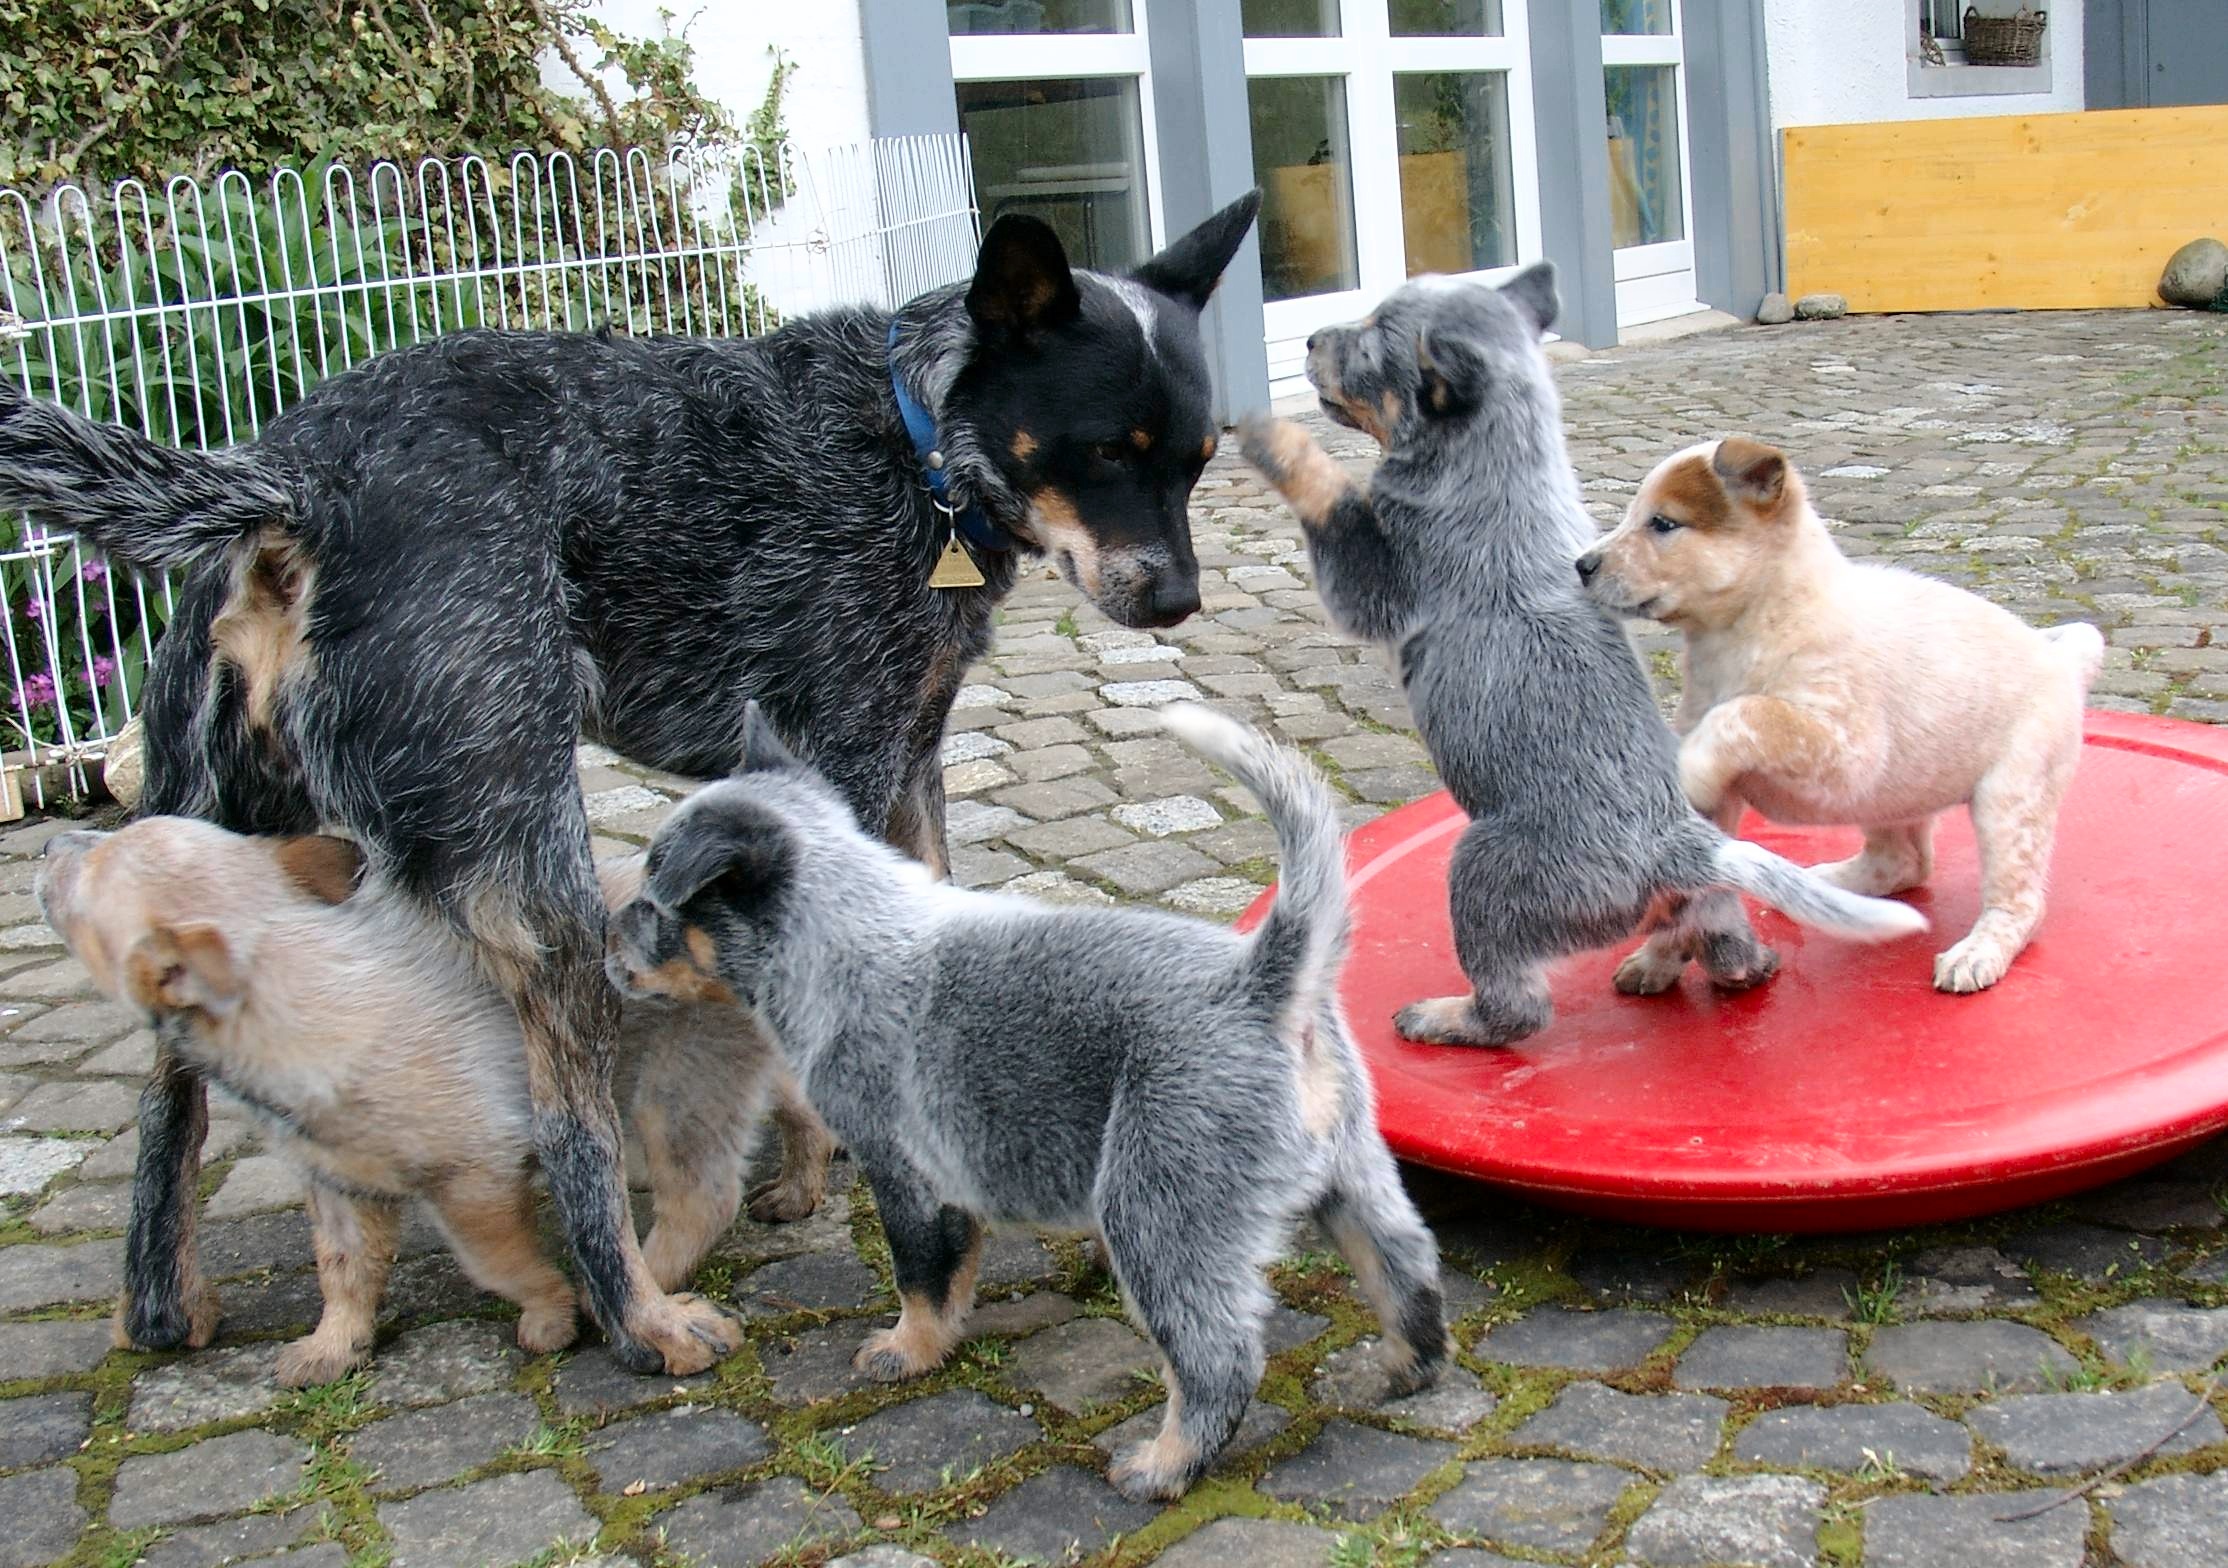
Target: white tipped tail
1800,896
1297,949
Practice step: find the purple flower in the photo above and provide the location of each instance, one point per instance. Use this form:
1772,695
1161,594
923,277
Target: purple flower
35,608
103,668
37,691
94,571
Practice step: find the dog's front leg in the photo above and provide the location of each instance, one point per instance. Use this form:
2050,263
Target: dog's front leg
166,1302
934,1252
1748,735
1354,568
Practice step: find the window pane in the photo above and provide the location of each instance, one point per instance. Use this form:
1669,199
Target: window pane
1636,16
1069,152
1644,205
1289,18
1305,170
1037,16
1457,193
1445,18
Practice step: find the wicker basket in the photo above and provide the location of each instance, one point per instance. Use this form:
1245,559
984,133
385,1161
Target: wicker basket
2004,40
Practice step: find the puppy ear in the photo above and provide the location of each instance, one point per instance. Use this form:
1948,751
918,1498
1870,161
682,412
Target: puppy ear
736,843
1189,269
1022,282
762,744
1751,471
188,966
328,869
1532,291
1454,374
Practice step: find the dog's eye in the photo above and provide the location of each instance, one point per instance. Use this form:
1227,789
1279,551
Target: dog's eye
1112,451
1661,524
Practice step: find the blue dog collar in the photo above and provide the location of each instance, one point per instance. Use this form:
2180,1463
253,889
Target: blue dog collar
972,523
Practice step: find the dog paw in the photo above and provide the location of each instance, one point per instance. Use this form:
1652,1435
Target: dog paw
884,1357
1649,972
311,1360
1141,1475
1455,1020
542,1329
190,1326
1259,437
685,1331
1746,974
784,1201
1969,966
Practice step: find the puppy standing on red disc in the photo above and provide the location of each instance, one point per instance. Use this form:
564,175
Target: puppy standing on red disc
1820,689
1528,694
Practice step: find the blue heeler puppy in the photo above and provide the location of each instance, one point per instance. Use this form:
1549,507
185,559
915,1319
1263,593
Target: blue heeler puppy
1185,1092
1458,557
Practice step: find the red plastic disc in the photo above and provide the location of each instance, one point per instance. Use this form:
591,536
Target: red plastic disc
1847,1093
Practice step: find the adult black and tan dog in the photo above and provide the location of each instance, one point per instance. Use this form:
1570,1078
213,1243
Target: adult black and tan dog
418,588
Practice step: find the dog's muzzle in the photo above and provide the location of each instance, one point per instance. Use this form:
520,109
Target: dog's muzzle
1589,565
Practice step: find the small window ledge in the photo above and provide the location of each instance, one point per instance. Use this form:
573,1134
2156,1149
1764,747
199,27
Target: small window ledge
1959,80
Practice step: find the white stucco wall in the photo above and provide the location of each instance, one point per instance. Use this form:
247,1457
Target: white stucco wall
1836,62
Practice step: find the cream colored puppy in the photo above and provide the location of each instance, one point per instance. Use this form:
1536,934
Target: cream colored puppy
1819,689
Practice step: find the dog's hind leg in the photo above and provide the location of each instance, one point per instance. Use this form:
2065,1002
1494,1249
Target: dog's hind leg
488,1219
1708,927
696,1185
1503,907
2015,821
806,1148
934,1252
1897,856
1369,1218
355,1240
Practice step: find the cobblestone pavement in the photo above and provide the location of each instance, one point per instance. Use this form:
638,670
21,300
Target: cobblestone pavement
1622,1396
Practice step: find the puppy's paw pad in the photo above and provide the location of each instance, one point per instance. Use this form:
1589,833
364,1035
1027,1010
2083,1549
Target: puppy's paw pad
884,1358
1646,973
783,1202
547,1328
1969,967
311,1361
1137,1477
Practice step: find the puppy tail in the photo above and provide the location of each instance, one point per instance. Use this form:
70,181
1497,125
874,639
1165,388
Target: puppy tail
2083,645
146,505
1296,952
1798,895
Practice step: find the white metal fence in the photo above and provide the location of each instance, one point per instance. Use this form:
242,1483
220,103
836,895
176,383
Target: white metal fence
195,311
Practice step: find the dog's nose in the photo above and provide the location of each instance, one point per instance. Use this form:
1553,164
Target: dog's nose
1588,564
1173,598
1314,341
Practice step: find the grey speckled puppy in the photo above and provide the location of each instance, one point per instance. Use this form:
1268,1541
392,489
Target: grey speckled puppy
1459,557
1184,1091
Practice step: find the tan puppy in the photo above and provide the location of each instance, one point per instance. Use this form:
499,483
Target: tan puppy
1822,690
387,1067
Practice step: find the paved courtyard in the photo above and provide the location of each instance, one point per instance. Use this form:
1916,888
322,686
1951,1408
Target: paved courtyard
1622,1396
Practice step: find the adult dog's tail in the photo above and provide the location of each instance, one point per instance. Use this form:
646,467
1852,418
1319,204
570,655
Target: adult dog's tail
1800,895
145,505
1297,950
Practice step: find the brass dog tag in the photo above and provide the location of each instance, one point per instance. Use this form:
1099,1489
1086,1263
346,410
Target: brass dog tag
955,568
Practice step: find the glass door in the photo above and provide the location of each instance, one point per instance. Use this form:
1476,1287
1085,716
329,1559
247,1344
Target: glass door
1390,138
1650,219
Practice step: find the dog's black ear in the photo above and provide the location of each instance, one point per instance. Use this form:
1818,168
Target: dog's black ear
1453,371
1532,291
736,843
762,744
1751,471
1022,282
1191,267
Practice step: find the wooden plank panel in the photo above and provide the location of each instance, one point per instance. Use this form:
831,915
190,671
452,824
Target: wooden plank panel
2022,211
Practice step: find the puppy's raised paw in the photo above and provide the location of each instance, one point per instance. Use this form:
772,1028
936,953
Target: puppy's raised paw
1310,481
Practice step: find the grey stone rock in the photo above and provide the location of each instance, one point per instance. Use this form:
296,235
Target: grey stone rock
740,1528
37,1275
1576,1341
1055,1516
33,1350
1775,311
2195,275
814,1282
1469,1557
1970,1532
42,1428
1287,1329
1851,1438
2089,1253
675,1447
2163,1335
1354,1379
86,1206
1666,1432
1631,1276
1261,1422
223,1475
440,1442
504,1519
1546,1505
913,1447
1758,1521
1821,307
222,1384
1155,867
1014,1257
593,1385
1964,1279
815,1363
257,1244
884,1557
1355,1471
1822,1293
28,1164
261,1181
73,1107
2177,1521
2064,1434
43,1517
1256,1543
1966,1358
1020,1317
430,1366
1739,1356
230,1541
1084,1363
2148,1204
